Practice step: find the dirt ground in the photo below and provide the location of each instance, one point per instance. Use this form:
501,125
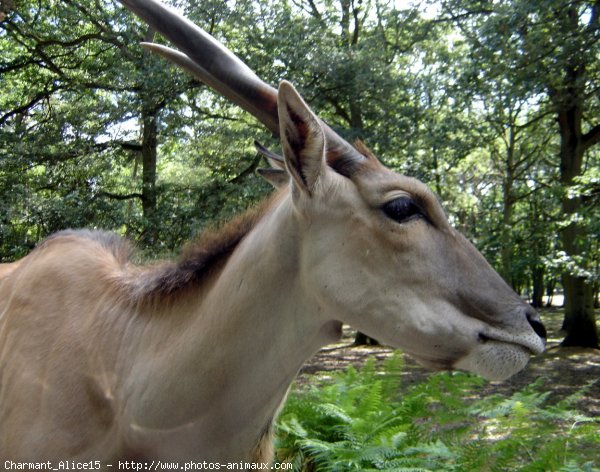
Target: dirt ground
564,370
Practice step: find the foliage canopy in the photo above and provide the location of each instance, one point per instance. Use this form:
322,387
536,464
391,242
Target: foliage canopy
96,133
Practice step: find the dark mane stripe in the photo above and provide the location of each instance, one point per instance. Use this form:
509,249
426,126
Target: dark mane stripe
155,282
198,258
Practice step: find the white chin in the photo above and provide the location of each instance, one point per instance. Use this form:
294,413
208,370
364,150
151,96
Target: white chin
495,360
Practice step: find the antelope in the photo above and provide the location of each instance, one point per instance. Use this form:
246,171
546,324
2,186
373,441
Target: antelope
105,359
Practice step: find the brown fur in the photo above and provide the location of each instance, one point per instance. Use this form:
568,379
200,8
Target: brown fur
365,151
200,256
348,165
84,375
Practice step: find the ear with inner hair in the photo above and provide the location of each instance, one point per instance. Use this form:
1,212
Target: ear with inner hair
276,177
302,139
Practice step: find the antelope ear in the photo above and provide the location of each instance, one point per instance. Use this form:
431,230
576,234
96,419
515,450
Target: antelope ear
275,160
276,177
302,139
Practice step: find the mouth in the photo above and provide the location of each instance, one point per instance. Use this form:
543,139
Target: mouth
496,356
499,355
494,360
532,344
494,352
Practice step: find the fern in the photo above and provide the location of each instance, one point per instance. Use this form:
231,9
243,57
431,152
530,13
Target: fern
359,421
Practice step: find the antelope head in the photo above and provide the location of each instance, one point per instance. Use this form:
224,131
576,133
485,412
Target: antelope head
376,249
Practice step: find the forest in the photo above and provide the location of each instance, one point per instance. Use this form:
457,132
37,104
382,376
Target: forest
494,104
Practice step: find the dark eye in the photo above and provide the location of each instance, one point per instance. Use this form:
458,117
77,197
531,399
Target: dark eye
402,209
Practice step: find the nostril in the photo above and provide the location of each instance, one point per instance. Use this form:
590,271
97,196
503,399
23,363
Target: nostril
536,324
539,328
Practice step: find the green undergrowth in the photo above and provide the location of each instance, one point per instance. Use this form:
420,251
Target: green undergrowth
361,421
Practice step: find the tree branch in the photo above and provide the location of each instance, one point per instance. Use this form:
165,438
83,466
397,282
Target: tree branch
18,64
592,137
130,146
30,104
247,171
74,42
116,196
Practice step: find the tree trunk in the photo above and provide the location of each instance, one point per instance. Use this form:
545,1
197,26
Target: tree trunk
149,145
550,287
149,151
579,322
362,339
537,276
508,203
568,98
506,245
